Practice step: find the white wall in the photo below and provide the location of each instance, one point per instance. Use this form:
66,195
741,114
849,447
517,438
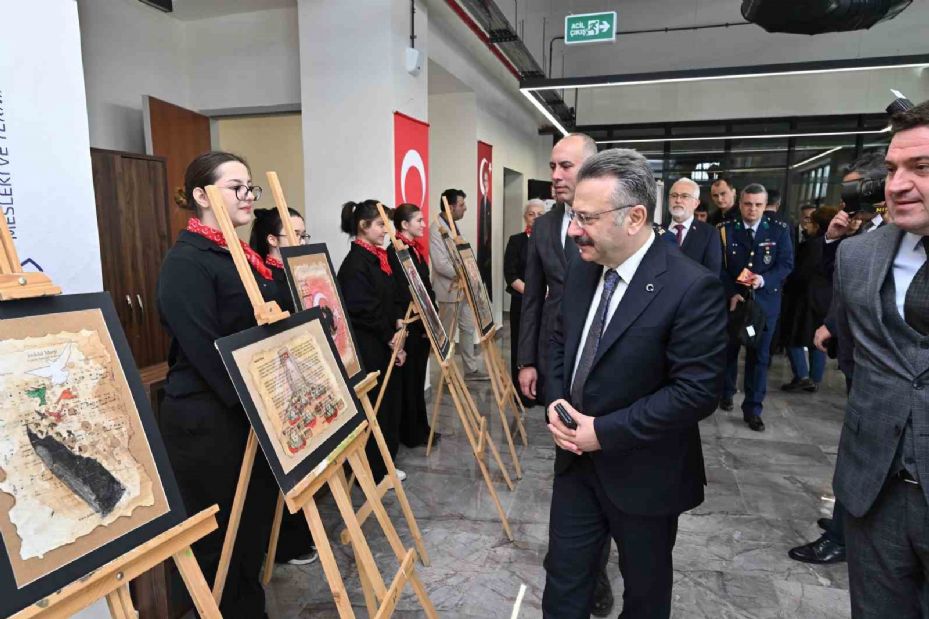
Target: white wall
129,50
244,60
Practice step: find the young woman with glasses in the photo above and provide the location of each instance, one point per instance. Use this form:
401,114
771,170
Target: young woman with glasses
201,299
267,238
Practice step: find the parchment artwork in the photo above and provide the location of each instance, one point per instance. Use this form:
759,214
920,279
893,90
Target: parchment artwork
73,454
428,313
316,287
300,401
476,286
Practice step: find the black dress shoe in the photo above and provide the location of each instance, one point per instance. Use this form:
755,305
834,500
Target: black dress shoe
755,423
726,404
603,596
824,523
820,552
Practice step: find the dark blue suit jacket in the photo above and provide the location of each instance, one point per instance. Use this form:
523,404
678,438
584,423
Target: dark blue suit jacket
658,371
771,256
701,245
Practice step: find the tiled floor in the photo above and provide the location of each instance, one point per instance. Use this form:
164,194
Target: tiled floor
765,492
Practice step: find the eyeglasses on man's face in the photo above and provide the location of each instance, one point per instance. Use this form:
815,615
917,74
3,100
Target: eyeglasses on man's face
585,219
681,196
242,191
302,239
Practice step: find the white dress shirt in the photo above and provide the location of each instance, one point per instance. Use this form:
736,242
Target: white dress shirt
909,259
687,223
565,222
626,271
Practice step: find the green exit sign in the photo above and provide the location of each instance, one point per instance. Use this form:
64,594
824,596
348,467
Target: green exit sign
590,28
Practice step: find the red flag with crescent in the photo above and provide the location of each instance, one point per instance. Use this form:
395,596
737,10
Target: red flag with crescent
411,167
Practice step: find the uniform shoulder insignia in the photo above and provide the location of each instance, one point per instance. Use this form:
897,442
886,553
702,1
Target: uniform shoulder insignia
721,225
659,230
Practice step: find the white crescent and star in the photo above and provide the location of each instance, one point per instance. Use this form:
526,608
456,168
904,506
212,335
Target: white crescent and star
480,176
412,160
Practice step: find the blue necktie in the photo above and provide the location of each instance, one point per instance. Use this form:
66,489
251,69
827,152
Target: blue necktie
610,281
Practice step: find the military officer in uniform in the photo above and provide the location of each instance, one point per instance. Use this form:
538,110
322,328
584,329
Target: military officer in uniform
757,257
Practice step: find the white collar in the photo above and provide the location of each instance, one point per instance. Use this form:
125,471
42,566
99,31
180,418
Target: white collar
912,241
687,223
753,227
628,268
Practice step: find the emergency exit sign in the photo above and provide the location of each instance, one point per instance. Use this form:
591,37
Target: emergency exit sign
590,28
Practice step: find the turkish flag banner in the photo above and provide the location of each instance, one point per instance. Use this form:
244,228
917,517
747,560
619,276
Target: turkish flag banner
485,159
411,167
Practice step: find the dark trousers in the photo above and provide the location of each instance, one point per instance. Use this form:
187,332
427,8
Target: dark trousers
835,531
205,442
756,369
888,555
516,311
388,415
414,420
581,521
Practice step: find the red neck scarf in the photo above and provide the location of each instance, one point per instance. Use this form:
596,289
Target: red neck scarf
412,244
528,230
196,226
380,252
271,261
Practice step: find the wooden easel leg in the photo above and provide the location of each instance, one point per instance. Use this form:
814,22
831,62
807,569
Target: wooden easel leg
235,515
363,556
498,390
363,474
196,584
273,540
327,560
120,604
394,480
459,407
367,584
519,411
436,403
459,383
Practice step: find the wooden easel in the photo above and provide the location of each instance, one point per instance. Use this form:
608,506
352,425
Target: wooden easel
475,424
112,580
390,479
501,382
379,599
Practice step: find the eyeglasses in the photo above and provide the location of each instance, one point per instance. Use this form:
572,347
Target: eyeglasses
682,196
302,239
242,191
585,219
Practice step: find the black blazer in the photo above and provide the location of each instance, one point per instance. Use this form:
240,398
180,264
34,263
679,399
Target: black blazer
201,299
283,297
546,262
702,245
658,371
370,298
514,267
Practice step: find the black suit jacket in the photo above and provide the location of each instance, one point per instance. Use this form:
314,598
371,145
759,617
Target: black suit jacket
658,371
702,245
514,267
546,262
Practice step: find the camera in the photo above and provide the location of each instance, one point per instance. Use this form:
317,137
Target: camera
864,193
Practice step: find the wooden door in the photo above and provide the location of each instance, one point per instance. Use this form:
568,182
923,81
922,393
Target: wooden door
178,135
133,222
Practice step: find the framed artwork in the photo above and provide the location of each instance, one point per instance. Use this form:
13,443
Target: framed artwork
427,310
295,390
313,284
480,303
84,476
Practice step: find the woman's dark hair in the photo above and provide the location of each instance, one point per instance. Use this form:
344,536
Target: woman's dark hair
359,215
200,173
404,212
267,221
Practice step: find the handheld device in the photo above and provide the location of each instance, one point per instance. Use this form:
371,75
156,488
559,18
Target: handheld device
565,417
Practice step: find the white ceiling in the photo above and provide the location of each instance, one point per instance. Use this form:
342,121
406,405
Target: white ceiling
201,9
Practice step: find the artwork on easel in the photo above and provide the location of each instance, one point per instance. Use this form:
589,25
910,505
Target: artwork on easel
476,289
313,284
429,315
295,390
84,477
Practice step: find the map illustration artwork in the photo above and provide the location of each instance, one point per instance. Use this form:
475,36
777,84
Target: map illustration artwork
299,399
316,288
65,433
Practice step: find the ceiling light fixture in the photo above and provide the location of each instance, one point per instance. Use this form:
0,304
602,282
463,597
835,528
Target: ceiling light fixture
544,110
769,136
815,157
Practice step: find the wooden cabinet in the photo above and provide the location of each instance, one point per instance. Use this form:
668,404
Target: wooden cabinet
133,219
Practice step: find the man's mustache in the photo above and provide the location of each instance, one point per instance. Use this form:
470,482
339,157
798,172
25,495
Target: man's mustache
583,241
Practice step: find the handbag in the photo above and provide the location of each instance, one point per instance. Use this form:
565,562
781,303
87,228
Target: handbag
747,322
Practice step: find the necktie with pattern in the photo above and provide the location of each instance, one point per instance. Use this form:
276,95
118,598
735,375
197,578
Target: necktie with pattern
679,234
610,281
916,302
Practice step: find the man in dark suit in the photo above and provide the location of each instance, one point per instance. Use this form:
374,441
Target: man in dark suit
881,308
723,195
698,241
757,257
637,361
